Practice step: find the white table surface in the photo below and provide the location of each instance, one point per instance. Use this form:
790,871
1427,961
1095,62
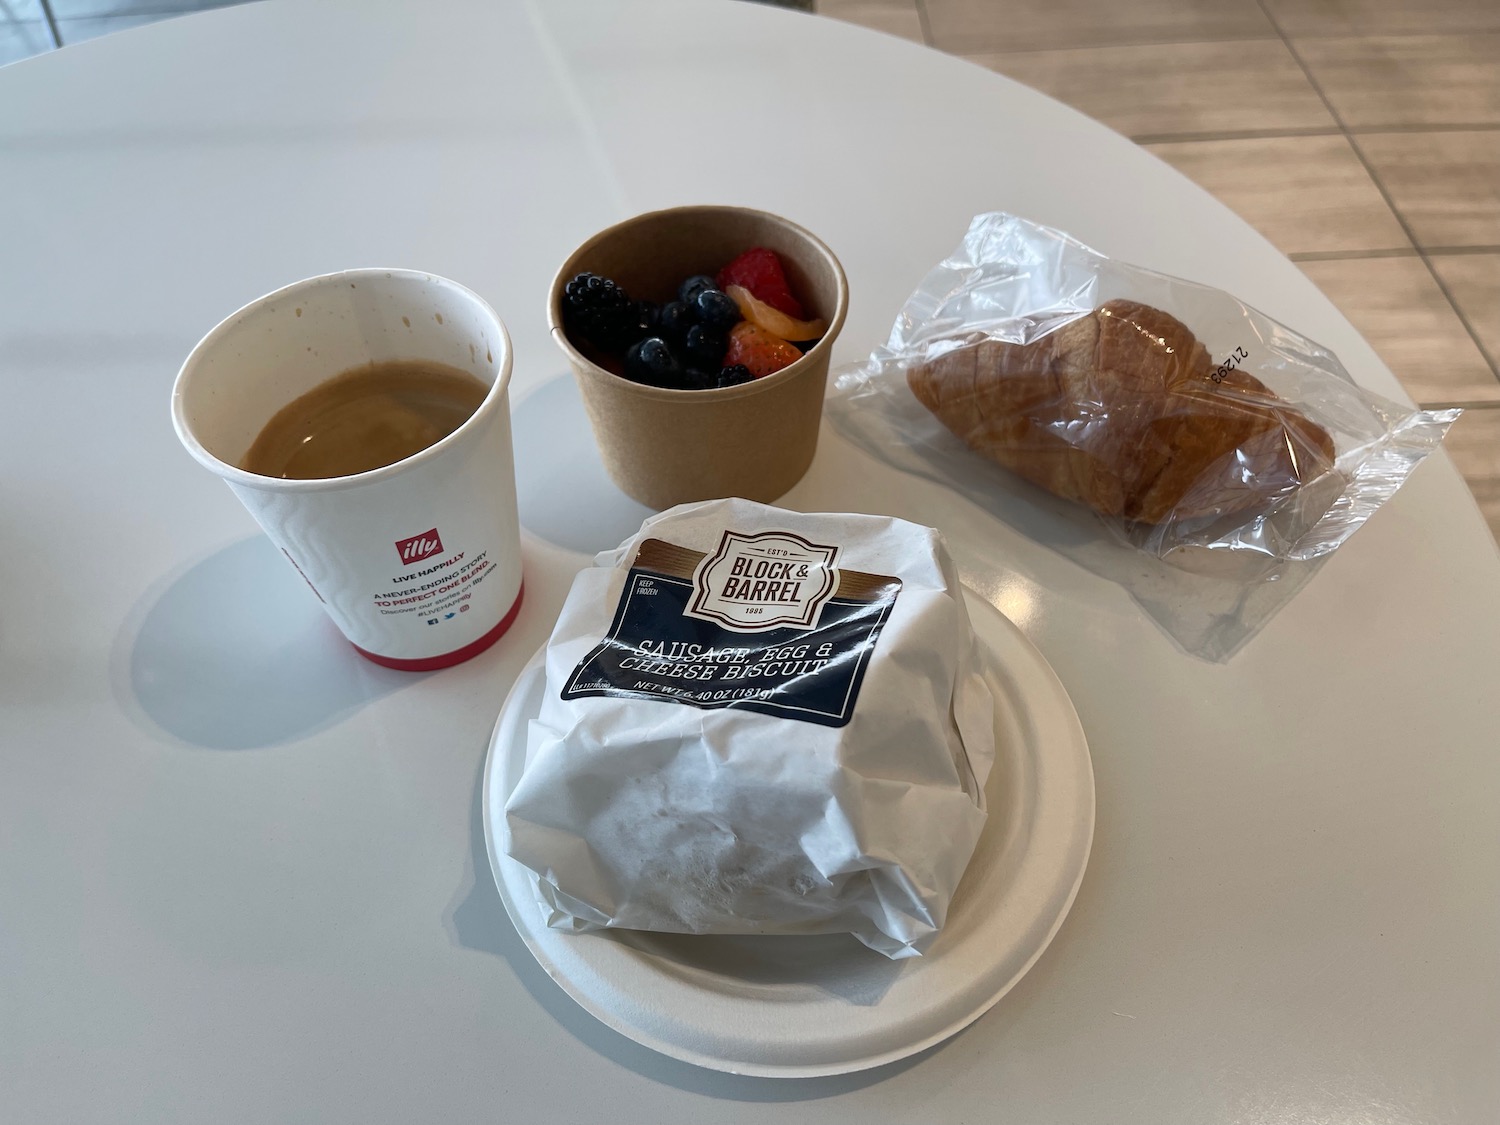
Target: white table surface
241,877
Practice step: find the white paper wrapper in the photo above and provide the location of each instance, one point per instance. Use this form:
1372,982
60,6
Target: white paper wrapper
759,722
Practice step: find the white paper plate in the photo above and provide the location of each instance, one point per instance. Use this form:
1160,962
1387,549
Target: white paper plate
798,1007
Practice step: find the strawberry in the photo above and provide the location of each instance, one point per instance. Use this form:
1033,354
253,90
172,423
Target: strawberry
763,353
760,271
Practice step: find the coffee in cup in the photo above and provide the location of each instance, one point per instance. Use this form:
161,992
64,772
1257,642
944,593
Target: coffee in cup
363,419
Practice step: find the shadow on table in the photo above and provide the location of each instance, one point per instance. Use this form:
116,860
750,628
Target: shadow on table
563,493
478,921
234,654
1209,603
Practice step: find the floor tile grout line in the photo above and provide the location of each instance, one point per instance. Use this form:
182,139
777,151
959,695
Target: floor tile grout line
1479,404
1125,41
1351,255
51,24
1385,194
1386,34
1404,252
1447,127
1237,135
925,23
1303,131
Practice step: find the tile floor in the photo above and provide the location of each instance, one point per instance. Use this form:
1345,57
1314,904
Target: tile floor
1376,124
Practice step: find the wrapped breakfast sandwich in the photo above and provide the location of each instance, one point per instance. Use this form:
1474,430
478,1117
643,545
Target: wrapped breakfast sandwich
759,722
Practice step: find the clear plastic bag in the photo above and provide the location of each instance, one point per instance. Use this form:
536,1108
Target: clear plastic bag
1196,429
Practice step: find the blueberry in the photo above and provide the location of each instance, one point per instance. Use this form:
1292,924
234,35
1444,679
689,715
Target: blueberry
733,376
635,367
694,285
675,318
704,347
697,379
717,309
651,362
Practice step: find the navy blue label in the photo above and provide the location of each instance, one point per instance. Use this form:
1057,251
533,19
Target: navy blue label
655,651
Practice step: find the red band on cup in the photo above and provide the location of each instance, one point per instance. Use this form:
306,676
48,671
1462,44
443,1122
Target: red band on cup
458,655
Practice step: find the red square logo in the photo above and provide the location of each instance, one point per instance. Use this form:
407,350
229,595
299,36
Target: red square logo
420,547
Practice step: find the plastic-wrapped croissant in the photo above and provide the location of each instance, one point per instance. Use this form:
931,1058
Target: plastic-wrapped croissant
1124,410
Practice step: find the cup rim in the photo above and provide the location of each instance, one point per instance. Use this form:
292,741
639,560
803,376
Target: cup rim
716,394
493,400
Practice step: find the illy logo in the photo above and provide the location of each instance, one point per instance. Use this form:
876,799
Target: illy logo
420,547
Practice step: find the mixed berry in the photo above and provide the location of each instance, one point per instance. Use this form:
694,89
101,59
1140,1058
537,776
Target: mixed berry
744,323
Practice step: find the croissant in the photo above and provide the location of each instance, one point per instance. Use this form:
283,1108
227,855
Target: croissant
1124,410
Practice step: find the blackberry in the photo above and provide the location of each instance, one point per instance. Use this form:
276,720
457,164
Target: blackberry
601,312
733,375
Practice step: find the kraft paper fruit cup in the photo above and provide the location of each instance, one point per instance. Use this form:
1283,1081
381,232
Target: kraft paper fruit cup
418,562
666,447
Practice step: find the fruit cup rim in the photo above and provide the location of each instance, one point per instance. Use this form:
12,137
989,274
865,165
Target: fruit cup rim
714,394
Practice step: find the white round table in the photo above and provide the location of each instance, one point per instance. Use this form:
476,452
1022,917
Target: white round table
242,877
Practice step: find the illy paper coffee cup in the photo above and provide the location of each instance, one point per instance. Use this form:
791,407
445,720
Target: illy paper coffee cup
417,562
